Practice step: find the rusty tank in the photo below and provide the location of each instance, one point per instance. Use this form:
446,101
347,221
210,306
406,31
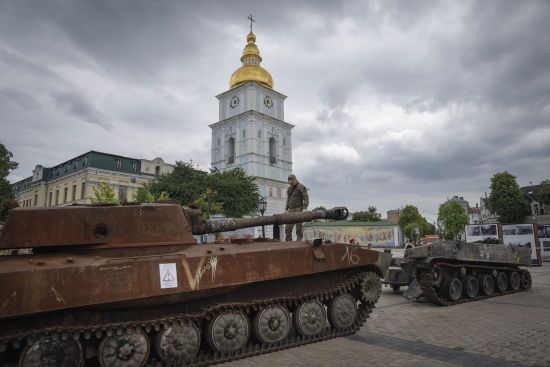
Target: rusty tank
451,272
130,286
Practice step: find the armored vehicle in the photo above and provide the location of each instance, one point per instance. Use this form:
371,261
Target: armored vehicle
447,272
129,286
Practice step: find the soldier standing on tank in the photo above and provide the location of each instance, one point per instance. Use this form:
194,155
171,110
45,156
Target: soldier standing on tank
297,200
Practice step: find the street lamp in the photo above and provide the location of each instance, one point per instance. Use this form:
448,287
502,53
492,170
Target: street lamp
262,205
533,209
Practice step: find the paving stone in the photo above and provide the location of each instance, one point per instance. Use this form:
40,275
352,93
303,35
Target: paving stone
511,330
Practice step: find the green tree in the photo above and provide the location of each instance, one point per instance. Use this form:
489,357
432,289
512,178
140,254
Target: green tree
371,215
410,231
410,214
208,204
6,194
235,191
184,184
231,191
506,199
453,218
104,194
144,195
543,196
320,207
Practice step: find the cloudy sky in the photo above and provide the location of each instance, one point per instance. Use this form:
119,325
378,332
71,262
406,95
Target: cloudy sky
394,102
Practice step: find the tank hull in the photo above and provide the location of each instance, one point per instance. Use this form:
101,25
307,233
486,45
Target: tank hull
91,295
448,273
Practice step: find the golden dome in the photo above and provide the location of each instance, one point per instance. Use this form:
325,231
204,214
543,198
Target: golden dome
251,71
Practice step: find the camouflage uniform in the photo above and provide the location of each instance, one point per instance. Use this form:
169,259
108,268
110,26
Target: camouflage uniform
296,201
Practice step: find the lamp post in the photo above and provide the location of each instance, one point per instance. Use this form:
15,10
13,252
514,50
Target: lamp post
262,205
533,209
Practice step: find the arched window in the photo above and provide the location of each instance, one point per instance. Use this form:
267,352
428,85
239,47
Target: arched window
272,151
231,150
157,170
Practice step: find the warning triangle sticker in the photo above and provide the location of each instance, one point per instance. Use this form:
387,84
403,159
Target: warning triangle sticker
168,277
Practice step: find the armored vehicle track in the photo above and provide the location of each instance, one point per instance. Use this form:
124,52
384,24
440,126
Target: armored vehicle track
448,283
214,334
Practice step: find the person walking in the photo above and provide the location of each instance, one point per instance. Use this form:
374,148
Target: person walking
297,200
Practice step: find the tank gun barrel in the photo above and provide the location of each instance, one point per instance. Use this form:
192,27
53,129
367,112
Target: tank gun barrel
200,226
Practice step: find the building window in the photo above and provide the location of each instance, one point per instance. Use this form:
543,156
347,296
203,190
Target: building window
83,192
278,192
231,150
65,194
284,141
118,164
219,141
272,150
134,166
157,170
270,192
74,193
50,199
35,199
244,134
56,197
259,134
122,194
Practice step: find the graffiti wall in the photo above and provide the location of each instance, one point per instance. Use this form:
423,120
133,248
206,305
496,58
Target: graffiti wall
378,236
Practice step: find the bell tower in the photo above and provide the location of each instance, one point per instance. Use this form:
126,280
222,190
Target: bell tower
251,132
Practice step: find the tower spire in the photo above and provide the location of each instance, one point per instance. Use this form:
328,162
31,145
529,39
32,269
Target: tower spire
251,19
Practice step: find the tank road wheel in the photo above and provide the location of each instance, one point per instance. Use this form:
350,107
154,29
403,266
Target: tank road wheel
310,318
437,275
126,350
502,281
272,324
453,289
178,344
52,353
515,281
487,284
342,311
228,332
470,286
372,288
525,280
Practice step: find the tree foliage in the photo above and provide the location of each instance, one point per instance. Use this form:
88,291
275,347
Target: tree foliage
144,195
410,231
453,219
6,194
370,215
230,192
543,196
506,199
410,214
104,194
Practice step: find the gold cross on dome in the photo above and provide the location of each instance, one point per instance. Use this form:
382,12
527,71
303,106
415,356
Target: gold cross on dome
251,18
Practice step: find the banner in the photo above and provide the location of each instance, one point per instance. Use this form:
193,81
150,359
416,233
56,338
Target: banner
379,236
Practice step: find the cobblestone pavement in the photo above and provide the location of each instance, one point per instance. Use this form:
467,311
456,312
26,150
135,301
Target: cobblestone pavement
512,330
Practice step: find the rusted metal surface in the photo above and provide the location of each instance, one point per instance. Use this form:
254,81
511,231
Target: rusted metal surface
132,225
95,267
463,251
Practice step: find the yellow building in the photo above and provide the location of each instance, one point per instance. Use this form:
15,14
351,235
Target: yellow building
73,181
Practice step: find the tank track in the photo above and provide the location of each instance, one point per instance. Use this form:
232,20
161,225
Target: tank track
425,278
354,284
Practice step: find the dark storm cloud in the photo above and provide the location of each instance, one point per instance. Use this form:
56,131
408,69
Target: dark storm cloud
394,102
75,104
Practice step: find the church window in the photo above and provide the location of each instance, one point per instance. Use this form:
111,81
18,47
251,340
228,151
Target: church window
231,150
272,151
